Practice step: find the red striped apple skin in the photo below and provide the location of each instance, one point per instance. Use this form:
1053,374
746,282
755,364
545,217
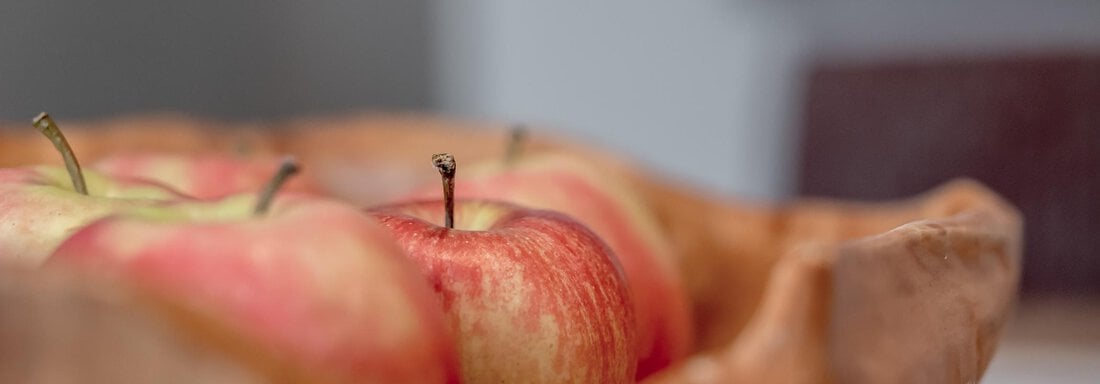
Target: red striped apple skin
605,205
532,296
317,282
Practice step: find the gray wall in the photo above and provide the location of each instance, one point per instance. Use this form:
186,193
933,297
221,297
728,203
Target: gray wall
217,58
849,30
708,90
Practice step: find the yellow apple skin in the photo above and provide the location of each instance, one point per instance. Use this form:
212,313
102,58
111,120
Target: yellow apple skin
39,208
313,280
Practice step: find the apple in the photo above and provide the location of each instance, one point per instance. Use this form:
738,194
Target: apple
204,176
42,205
532,296
315,280
61,327
565,183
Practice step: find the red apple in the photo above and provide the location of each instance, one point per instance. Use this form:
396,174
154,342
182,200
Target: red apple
604,204
532,296
42,205
314,280
205,176
63,327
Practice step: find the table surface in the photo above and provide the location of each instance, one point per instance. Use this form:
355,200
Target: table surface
1050,340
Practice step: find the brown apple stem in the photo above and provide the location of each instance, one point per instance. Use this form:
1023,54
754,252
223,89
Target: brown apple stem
288,168
48,127
516,140
445,164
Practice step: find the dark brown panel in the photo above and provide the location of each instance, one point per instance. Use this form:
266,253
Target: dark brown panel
1027,127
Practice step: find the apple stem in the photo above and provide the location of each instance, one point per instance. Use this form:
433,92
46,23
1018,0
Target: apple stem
288,168
515,143
48,127
445,164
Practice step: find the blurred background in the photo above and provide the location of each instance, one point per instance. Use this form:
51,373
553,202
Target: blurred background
766,100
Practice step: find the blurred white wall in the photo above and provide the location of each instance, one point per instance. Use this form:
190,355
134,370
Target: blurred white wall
709,90
704,90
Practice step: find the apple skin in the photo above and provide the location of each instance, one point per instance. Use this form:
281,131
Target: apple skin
315,281
532,296
565,183
39,207
204,176
62,327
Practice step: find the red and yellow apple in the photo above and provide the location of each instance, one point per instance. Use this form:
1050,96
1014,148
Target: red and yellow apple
532,296
565,183
313,280
63,327
43,205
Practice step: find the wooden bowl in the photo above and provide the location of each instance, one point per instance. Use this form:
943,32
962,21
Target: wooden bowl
802,291
903,292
